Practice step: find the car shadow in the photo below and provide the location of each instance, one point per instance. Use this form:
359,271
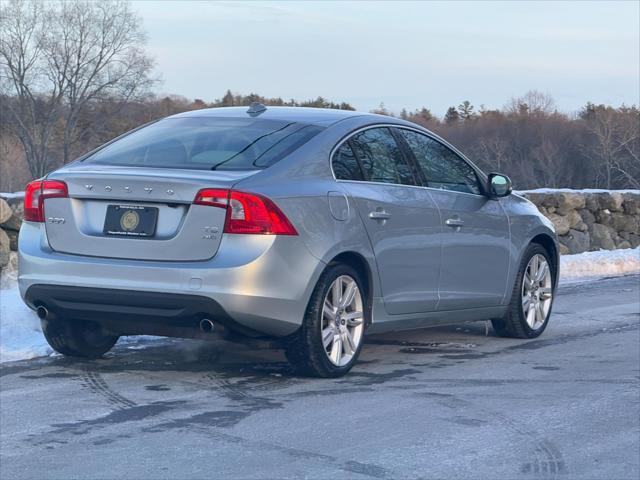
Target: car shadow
431,347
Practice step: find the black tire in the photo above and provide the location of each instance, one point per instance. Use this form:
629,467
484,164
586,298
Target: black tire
76,338
304,349
514,324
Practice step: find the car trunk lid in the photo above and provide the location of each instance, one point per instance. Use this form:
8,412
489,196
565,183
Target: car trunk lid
137,213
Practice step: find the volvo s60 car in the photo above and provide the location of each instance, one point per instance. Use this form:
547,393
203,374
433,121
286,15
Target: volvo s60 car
310,226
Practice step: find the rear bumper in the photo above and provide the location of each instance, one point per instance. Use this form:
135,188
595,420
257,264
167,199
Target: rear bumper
134,313
258,283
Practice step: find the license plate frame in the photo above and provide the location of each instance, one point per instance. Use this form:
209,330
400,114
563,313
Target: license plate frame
130,221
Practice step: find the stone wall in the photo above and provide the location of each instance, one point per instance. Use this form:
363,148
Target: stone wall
11,214
591,220
584,220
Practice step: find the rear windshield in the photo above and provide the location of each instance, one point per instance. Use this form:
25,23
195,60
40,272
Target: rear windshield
203,143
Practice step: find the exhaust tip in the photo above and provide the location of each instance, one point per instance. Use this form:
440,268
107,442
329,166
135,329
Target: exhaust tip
206,325
42,312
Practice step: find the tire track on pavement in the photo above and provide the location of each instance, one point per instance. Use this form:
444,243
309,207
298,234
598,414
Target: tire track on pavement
96,384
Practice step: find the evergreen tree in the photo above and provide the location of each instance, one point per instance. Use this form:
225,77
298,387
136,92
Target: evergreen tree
423,115
228,100
381,110
451,117
465,110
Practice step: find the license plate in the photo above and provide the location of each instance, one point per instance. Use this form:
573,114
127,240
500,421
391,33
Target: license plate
130,221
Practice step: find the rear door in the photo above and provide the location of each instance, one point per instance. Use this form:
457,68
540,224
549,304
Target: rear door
401,219
475,229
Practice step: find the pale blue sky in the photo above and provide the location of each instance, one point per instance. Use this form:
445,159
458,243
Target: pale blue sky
405,54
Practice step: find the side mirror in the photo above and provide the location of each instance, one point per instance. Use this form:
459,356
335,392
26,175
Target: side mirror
499,185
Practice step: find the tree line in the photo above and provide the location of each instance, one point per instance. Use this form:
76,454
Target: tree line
75,74
538,146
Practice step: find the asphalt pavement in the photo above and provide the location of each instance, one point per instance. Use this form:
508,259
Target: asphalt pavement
451,402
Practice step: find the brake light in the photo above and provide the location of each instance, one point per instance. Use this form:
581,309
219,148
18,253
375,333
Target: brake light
36,193
247,213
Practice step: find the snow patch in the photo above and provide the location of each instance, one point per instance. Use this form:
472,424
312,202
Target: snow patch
590,265
12,195
20,334
21,337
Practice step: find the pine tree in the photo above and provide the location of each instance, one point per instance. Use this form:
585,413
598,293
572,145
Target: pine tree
465,110
451,117
381,110
227,100
423,115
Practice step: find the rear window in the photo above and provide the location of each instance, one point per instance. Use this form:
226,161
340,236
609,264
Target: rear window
203,143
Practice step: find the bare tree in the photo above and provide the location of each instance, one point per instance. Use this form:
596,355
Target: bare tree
493,152
533,103
613,145
545,157
627,164
31,93
14,173
59,58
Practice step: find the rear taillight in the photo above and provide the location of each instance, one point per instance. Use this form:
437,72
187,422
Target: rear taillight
247,213
36,193
213,197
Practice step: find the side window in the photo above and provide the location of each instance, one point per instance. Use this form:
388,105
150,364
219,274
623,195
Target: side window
381,157
345,164
442,167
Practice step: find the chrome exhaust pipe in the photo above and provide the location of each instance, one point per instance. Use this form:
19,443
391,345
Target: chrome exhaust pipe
42,312
206,325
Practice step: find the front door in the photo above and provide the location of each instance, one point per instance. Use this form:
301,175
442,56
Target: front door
475,251
475,229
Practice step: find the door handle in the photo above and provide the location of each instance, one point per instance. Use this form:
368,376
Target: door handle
379,215
454,222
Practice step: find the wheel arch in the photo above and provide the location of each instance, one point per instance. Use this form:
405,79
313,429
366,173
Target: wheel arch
549,244
359,263
547,241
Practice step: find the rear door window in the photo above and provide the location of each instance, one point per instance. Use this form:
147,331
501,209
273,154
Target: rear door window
345,164
442,167
207,143
381,158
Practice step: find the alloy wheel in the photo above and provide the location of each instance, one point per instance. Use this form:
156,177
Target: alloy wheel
342,320
537,291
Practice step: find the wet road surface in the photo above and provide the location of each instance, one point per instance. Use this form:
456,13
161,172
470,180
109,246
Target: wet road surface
448,402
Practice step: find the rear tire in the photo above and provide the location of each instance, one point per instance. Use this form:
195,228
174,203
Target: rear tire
530,293
331,336
76,338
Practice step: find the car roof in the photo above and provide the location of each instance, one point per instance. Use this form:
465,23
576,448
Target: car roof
313,116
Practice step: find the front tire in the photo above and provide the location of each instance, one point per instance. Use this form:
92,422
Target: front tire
331,336
76,338
532,297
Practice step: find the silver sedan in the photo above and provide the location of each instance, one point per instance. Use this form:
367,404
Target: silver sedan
309,227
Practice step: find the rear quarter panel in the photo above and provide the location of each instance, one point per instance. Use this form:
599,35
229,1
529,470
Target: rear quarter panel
325,230
302,184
